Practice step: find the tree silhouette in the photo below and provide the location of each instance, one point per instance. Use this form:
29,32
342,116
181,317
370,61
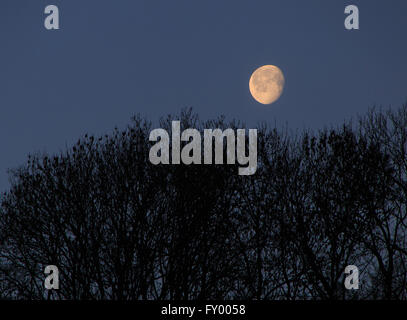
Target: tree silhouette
119,227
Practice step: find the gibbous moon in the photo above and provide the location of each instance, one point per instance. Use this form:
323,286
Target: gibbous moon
266,84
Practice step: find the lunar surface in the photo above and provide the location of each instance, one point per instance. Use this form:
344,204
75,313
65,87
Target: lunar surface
266,84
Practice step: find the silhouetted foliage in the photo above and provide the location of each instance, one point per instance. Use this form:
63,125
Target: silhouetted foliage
119,227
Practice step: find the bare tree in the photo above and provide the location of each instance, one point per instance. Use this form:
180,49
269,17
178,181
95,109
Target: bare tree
120,228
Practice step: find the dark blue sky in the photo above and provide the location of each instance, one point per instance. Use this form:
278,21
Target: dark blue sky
112,59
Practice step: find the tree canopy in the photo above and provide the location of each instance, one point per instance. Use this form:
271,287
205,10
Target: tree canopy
119,227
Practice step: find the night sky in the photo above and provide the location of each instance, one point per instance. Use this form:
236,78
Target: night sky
113,59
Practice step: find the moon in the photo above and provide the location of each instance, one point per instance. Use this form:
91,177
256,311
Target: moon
266,84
